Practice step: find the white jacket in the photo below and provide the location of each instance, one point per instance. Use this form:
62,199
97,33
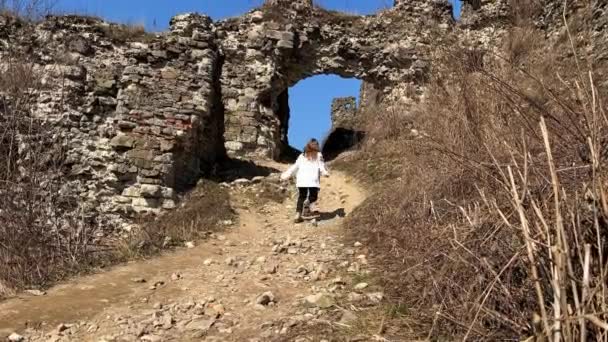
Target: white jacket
309,172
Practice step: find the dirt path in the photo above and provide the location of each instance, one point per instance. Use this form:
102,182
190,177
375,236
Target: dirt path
253,282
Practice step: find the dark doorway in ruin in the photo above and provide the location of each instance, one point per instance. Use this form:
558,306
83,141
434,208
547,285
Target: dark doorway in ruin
340,140
315,108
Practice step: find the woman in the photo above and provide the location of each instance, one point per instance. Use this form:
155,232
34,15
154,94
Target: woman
309,166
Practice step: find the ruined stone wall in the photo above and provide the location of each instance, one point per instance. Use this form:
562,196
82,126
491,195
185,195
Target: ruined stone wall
344,133
144,116
138,119
269,50
343,111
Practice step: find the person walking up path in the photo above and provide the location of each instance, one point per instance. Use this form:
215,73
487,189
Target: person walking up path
309,167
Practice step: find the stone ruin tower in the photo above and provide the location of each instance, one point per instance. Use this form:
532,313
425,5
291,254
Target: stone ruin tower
343,111
344,133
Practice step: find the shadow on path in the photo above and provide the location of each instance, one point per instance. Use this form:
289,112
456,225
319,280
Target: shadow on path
323,216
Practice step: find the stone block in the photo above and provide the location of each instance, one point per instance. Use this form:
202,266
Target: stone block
132,191
103,87
140,203
72,72
257,16
142,158
164,158
150,173
145,180
139,46
126,125
122,141
233,145
280,35
169,204
167,146
122,199
198,53
80,45
107,101
285,44
167,193
159,54
169,73
132,70
149,190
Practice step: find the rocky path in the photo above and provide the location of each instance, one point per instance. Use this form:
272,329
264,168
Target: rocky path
253,282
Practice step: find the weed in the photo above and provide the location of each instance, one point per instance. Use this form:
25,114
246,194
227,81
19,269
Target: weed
202,212
121,34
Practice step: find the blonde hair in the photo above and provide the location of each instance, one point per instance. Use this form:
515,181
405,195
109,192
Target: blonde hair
312,149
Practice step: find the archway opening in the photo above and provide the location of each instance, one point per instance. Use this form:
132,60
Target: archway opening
319,107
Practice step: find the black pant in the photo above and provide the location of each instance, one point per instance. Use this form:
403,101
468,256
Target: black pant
311,193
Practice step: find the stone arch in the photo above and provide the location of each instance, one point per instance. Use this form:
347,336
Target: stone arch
269,50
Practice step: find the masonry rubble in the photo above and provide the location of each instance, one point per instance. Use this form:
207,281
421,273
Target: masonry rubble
143,116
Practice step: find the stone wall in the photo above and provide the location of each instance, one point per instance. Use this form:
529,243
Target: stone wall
268,50
344,132
144,116
343,111
138,114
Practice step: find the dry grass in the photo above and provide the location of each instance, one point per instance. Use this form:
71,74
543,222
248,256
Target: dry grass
27,9
124,33
277,13
523,11
43,236
491,224
203,211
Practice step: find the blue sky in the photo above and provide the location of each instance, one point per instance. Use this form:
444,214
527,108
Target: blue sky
309,100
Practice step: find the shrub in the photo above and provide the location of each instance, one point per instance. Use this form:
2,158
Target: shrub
203,211
42,236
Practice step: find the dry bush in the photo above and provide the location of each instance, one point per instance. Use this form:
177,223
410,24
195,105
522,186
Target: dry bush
388,125
44,235
279,13
524,11
380,156
124,33
39,241
520,42
203,211
495,227
30,9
